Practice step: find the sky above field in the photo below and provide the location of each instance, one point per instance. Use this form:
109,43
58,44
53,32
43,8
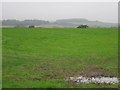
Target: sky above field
101,11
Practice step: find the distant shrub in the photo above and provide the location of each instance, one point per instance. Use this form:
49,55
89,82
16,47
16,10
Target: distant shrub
31,26
83,26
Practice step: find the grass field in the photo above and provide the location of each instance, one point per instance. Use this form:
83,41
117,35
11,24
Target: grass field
44,57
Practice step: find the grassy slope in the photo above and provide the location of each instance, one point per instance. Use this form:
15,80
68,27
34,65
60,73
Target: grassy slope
44,57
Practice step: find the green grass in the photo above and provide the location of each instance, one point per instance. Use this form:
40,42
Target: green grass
0,58
44,57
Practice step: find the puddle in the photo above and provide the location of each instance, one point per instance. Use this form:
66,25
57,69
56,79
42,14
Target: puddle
100,79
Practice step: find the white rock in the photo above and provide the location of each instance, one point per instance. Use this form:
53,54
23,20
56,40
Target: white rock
107,80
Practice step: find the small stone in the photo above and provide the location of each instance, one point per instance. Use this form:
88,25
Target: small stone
100,79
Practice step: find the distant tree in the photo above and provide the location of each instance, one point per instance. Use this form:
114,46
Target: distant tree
82,26
118,25
31,26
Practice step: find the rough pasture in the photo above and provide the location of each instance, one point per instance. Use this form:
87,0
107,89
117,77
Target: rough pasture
44,57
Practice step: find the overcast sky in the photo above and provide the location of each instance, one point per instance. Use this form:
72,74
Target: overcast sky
101,11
